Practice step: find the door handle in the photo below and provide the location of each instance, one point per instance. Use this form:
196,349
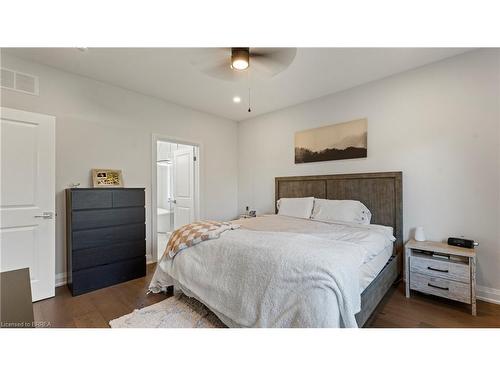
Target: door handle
45,215
174,201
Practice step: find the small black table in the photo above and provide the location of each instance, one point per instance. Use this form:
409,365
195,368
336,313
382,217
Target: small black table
16,308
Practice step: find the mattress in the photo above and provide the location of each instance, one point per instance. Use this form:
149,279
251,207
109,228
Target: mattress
370,270
372,237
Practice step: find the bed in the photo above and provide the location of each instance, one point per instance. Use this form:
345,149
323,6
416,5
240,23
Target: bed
280,271
382,193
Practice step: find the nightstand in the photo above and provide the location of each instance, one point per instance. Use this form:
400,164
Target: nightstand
442,270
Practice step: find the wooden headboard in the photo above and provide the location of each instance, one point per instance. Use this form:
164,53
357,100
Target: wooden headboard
381,192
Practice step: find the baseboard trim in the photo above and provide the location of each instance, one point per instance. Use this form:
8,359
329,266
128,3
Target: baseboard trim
487,294
149,259
61,279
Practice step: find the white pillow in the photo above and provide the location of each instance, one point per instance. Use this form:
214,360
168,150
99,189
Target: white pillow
296,207
341,210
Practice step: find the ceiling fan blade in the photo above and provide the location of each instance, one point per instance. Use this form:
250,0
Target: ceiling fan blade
271,61
216,62
206,58
223,71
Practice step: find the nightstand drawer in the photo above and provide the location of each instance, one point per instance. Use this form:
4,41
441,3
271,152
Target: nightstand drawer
440,268
440,287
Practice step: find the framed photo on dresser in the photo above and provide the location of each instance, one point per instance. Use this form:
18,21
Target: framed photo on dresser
107,178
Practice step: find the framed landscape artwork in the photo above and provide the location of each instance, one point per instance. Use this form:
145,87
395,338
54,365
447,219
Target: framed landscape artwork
347,140
107,178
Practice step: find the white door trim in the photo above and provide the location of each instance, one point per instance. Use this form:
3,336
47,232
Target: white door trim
198,186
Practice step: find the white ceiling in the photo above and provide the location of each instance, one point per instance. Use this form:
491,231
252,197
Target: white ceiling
167,73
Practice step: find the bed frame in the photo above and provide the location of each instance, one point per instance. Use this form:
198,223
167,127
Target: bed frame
382,193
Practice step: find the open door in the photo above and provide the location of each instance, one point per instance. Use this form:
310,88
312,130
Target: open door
183,186
27,227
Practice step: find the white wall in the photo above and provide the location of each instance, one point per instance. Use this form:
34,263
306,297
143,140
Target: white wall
102,126
438,124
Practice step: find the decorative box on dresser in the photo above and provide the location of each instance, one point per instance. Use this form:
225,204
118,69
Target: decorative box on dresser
442,270
105,237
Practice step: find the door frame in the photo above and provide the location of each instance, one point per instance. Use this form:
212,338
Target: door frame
198,186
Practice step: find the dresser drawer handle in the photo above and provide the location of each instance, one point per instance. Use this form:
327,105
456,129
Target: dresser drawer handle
438,287
438,270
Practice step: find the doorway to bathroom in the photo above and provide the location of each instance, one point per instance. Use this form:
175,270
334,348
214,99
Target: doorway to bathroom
175,189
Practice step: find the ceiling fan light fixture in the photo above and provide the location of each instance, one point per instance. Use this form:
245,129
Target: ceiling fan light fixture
240,58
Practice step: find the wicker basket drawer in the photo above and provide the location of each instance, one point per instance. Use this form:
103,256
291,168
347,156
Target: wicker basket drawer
440,268
441,287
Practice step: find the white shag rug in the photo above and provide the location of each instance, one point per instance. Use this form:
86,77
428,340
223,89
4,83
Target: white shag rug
178,311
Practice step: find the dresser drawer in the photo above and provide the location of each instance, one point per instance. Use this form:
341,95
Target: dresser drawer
108,236
440,287
98,256
99,277
128,198
88,199
88,219
440,268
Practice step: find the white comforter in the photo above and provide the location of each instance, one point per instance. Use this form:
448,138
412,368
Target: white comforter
279,277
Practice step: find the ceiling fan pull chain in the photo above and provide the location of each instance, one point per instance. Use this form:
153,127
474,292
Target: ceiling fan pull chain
249,104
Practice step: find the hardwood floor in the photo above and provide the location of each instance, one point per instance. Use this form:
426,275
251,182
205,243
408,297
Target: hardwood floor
425,311
97,308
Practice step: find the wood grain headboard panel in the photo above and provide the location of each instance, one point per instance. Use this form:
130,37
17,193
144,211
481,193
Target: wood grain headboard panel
381,192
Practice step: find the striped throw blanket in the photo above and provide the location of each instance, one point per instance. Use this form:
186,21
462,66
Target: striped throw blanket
191,234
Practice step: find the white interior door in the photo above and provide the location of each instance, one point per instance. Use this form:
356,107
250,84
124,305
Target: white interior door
27,197
183,186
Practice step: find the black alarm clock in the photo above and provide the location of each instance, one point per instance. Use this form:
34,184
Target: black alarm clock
462,242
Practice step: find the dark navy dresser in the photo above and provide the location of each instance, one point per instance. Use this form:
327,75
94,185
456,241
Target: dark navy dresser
105,236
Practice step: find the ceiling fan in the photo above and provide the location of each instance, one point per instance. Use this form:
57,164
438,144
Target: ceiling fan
229,63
